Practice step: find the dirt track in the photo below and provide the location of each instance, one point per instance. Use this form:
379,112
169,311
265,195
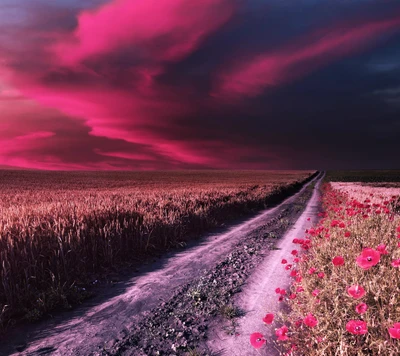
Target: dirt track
259,297
106,322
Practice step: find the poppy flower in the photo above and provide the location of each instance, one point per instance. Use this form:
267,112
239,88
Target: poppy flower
310,320
338,261
357,327
315,292
382,249
298,323
368,258
396,263
394,331
356,292
334,223
281,333
312,270
268,319
361,308
257,340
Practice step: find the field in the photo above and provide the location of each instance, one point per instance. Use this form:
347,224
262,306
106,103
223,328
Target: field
61,230
344,296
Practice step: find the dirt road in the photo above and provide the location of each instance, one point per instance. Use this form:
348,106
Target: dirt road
106,320
259,297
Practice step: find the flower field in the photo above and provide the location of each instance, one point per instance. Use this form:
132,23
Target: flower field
61,230
345,293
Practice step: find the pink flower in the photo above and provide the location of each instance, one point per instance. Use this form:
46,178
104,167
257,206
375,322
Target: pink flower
338,261
257,340
284,261
312,270
268,319
310,321
398,229
334,223
296,260
368,258
342,225
281,333
299,289
321,274
315,292
292,296
356,292
382,249
396,263
394,331
288,267
357,327
277,290
361,308
294,252
347,234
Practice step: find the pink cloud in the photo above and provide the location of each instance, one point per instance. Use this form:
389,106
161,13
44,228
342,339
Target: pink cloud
142,109
160,30
252,76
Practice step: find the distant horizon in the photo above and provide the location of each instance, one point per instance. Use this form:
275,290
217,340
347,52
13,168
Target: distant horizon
214,84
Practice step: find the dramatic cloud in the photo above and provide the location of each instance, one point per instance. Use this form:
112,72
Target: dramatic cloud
145,84
301,57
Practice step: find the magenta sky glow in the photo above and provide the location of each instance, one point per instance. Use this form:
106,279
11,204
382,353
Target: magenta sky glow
145,84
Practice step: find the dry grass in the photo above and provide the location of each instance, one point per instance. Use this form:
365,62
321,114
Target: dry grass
58,230
368,221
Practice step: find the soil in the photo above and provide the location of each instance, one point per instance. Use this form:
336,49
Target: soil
169,306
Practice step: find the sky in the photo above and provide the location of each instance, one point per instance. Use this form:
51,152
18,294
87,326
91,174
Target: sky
201,84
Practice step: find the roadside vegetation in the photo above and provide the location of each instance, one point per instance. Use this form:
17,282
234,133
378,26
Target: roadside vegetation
344,297
60,231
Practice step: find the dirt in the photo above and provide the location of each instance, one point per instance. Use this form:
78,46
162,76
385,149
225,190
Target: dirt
259,297
169,306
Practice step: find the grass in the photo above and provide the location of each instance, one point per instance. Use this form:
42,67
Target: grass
344,297
61,230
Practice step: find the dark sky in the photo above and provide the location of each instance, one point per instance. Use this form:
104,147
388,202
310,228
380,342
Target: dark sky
178,84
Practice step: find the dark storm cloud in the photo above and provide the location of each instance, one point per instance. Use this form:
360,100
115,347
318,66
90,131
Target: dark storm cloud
211,84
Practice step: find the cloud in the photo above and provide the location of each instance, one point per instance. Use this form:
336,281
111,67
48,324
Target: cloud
252,76
79,90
